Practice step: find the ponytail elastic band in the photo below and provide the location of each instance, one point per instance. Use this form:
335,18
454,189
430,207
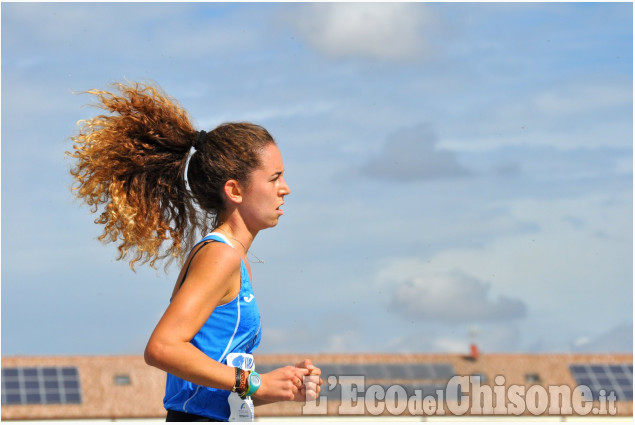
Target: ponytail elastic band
199,138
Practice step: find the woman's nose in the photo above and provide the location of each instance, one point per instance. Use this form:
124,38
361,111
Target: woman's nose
284,188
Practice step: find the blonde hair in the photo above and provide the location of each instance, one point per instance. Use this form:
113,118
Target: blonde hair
131,164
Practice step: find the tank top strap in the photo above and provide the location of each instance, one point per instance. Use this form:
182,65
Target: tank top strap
212,237
218,237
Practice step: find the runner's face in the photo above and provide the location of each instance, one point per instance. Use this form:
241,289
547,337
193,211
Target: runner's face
264,196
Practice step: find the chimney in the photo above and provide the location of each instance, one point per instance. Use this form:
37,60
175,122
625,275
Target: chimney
473,352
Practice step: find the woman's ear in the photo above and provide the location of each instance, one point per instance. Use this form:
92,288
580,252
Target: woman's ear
233,191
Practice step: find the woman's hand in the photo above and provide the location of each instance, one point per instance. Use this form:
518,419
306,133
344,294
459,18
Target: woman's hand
311,381
290,383
279,385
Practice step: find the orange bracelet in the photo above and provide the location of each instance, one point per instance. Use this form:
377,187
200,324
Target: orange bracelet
244,375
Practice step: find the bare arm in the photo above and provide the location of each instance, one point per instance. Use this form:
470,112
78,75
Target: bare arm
213,279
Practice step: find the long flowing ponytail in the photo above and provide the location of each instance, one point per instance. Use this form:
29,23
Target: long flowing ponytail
130,166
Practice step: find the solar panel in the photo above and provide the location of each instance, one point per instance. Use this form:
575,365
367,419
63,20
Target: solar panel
577,369
421,371
376,371
335,393
397,371
40,385
426,389
616,378
426,378
332,392
443,370
352,370
329,370
381,371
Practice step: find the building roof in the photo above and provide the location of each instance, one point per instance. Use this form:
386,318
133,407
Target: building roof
117,387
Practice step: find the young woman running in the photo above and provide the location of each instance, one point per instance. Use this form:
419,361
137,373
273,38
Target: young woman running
132,164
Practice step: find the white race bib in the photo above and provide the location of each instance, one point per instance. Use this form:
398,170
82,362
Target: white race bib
242,410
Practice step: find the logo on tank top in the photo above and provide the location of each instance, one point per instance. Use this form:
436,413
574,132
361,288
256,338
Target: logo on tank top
248,299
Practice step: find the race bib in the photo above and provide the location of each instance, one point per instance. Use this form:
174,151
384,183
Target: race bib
242,410
241,360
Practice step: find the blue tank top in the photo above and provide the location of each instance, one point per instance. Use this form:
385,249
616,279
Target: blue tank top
231,328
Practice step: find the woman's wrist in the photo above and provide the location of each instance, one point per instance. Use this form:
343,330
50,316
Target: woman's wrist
253,383
237,380
241,385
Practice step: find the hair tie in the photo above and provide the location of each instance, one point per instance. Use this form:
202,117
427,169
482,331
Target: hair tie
199,138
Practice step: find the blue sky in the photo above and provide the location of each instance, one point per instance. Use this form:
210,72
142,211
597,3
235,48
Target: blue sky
459,172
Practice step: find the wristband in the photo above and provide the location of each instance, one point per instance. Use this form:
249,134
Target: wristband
241,385
254,382
237,384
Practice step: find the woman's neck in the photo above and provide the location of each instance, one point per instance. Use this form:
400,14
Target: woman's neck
242,236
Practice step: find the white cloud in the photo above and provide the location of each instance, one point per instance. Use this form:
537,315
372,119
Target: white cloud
573,268
453,298
375,30
557,269
412,154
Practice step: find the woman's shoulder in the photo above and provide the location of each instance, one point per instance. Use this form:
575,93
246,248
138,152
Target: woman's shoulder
212,267
216,254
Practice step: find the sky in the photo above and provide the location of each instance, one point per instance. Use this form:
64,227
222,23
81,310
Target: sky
460,172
